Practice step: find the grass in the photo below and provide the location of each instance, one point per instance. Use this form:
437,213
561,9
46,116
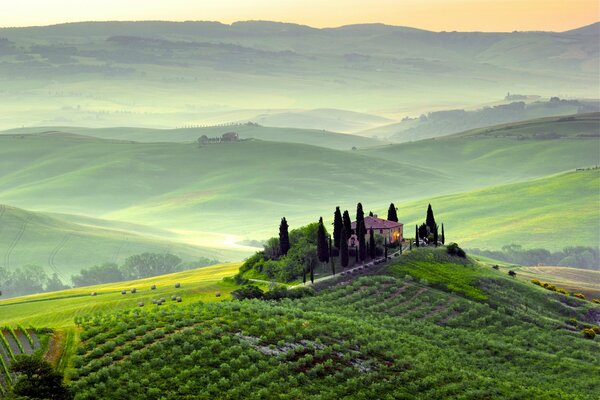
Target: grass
66,244
552,213
321,138
574,280
437,268
58,310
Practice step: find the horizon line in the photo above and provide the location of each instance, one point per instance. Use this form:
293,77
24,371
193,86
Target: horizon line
285,23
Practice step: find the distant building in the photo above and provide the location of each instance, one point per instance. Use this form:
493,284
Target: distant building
230,137
393,231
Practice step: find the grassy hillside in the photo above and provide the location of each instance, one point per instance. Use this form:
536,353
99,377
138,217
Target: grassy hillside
64,246
572,279
164,74
446,122
505,153
369,337
551,213
238,189
59,309
320,138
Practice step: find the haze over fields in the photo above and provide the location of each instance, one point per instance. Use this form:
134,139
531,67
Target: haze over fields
86,154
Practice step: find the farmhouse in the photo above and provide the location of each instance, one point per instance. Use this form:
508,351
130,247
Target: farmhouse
393,231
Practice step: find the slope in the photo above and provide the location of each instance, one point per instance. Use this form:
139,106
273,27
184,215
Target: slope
552,213
313,137
369,337
65,247
58,310
234,188
505,153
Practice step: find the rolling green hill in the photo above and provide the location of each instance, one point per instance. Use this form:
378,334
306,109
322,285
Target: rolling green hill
447,122
239,189
504,153
552,213
426,326
58,310
320,138
65,244
166,74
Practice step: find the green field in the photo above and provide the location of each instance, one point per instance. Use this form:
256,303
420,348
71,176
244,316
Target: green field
369,337
333,140
66,244
551,213
59,309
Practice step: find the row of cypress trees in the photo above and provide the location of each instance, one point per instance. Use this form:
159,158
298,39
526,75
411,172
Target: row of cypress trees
342,229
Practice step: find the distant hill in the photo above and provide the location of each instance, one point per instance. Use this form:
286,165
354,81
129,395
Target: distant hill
328,119
591,29
442,123
65,245
504,153
166,74
551,213
313,137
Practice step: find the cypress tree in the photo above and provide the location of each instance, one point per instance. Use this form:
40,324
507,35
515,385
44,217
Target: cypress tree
304,276
386,247
337,227
372,245
443,235
312,271
331,260
392,215
430,221
347,223
416,235
362,245
322,250
435,236
284,237
370,213
344,248
360,215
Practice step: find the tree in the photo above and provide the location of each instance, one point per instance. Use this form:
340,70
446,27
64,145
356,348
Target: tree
284,237
424,231
372,246
331,259
37,379
55,283
344,248
435,236
430,221
392,215
371,214
416,235
443,238
362,245
360,215
347,223
338,223
322,249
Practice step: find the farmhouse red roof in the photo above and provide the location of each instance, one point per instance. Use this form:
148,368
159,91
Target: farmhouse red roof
378,223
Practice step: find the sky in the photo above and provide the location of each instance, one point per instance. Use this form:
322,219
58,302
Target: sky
437,15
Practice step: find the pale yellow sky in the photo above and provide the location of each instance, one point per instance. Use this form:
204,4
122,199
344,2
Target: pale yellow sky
462,15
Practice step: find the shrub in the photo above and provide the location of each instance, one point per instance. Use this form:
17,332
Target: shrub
536,282
597,301
512,273
596,329
563,291
589,333
454,250
248,292
579,296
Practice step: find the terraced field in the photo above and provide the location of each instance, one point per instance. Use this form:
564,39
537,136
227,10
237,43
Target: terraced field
369,337
15,341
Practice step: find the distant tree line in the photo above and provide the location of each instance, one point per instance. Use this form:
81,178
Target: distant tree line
579,256
28,279
137,267
31,279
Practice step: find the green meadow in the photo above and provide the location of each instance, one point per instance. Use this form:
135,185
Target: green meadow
58,310
551,213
